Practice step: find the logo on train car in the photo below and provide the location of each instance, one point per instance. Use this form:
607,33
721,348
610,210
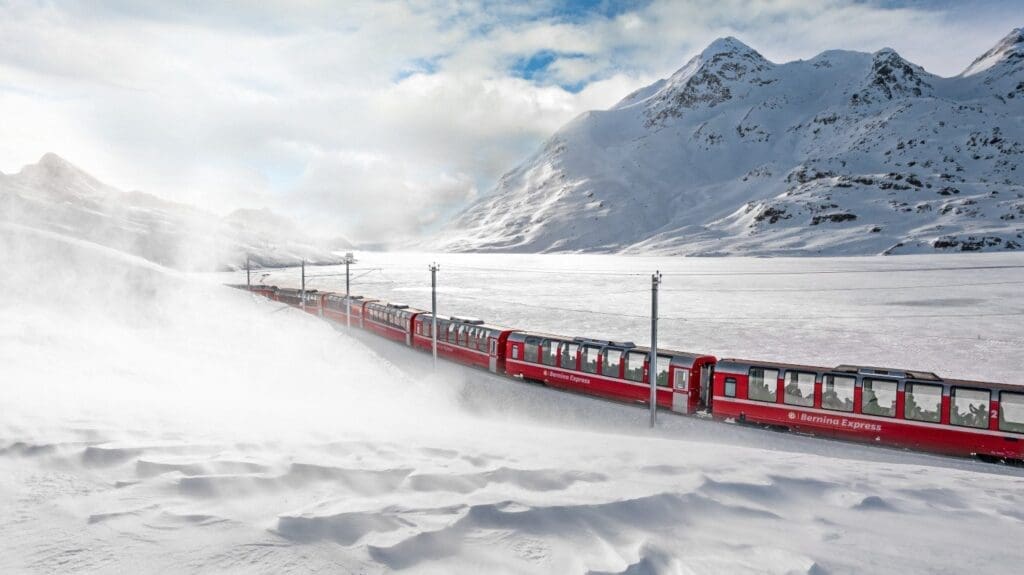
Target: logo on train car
566,377
841,422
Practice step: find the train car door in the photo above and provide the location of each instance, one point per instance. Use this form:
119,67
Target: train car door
681,390
492,353
706,372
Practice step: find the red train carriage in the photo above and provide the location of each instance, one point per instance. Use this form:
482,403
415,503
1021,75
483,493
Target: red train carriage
337,306
269,292
896,407
311,302
465,340
290,296
617,370
391,320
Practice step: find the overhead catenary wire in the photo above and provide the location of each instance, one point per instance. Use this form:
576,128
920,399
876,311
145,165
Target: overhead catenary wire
736,273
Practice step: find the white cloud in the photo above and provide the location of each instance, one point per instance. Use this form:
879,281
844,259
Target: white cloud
303,106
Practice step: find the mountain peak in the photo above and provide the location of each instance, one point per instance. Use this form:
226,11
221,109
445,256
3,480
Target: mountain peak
59,176
1009,50
55,166
725,45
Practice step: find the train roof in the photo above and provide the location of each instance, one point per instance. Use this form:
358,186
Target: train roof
628,345
462,320
869,371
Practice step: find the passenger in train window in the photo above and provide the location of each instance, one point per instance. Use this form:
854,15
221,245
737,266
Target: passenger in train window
549,351
569,356
762,384
922,402
635,365
799,389
969,407
530,349
879,398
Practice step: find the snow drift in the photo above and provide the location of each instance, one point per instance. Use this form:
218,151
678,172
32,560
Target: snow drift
155,423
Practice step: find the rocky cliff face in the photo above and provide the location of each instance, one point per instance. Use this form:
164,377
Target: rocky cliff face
845,153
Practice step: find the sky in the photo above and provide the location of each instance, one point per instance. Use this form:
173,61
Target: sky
377,120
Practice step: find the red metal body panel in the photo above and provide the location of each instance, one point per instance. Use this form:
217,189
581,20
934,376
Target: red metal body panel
385,330
941,437
458,353
588,383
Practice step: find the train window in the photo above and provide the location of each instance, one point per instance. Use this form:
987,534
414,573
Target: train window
879,398
451,333
799,388
969,407
588,359
549,351
484,335
663,363
612,359
1011,412
922,402
569,356
634,368
530,350
730,387
763,384
682,380
837,392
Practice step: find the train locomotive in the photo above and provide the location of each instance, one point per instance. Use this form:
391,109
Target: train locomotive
894,407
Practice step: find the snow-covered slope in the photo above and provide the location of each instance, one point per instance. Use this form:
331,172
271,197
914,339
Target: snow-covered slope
846,153
56,195
154,424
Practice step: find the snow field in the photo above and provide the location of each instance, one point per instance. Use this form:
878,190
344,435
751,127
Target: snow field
153,422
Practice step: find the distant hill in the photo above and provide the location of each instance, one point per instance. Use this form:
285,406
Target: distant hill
847,153
55,195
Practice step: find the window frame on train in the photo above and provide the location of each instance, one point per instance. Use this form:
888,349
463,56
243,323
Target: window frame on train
629,371
590,358
774,388
569,355
828,383
883,385
910,401
1011,426
954,416
802,401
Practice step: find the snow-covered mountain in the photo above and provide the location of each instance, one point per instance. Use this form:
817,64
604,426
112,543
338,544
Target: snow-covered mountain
845,153
55,195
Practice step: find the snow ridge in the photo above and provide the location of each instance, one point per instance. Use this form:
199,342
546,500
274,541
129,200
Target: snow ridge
847,153
55,195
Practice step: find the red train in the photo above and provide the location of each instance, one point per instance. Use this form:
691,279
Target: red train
902,408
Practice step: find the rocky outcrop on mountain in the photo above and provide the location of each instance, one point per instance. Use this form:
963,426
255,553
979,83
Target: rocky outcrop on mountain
846,153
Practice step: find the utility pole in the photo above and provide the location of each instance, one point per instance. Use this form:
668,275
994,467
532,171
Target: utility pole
349,260
653,361
248,280
303,300
433,308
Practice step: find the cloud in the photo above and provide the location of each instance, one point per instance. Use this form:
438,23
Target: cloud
420,104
